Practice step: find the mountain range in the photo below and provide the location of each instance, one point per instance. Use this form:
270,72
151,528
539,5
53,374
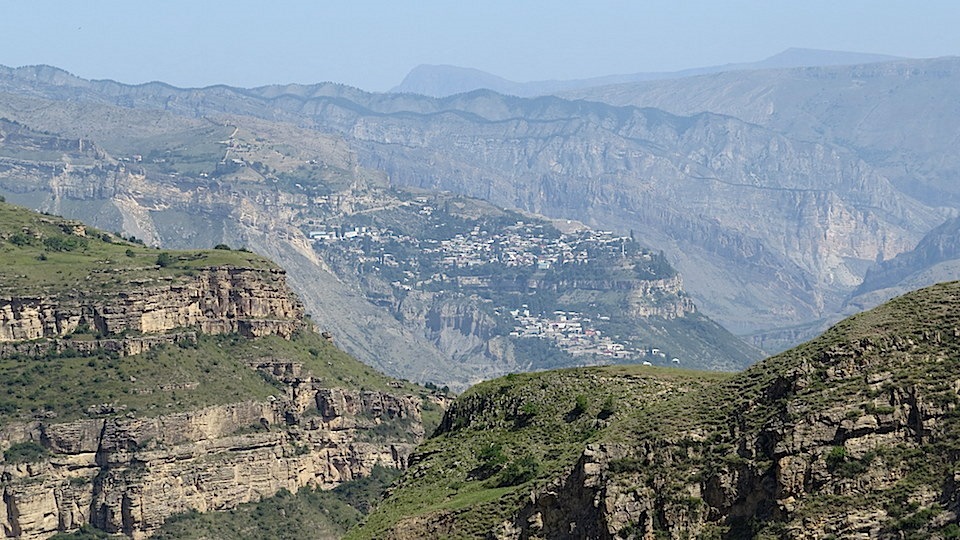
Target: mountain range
178,181
445,80
456,239
772,219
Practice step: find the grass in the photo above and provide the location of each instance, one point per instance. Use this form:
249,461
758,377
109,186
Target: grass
505,437
41,255
211,370
705,425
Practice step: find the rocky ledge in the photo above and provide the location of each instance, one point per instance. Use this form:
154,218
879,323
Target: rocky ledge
217,300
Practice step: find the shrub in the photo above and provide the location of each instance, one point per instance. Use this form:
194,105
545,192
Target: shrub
63,243
836,457
222,246
608,407
25,452
519,471
164,259
19,239
529,408
129,253
581,402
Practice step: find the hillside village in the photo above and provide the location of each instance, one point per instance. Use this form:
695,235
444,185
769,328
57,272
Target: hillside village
485,256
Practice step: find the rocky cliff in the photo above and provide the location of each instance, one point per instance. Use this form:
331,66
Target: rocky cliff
219,300
143,384
126,475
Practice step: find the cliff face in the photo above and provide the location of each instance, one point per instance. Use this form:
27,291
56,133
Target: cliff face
772,475
128,474
843,427
248,301
146,390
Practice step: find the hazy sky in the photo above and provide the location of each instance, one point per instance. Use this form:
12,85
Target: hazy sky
373,44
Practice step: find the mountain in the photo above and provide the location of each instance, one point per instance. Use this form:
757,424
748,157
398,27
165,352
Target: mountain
897,116
184,182
768,230
144,383
850,435
445,80
933,260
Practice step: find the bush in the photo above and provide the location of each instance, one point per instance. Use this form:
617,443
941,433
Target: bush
836,457
129,253
951,531
164,259
491,458
25,452
841,464
581,402
608,408
20,239
222,246
63,243
519,471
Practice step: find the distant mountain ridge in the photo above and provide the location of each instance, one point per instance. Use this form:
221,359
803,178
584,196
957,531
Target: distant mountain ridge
447,80
772,225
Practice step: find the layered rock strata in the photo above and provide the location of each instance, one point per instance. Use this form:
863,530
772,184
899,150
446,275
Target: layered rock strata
218,300
126,475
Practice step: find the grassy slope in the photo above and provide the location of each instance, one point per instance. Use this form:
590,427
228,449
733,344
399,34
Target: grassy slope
37,256
167,379
508,436
174,378
912,342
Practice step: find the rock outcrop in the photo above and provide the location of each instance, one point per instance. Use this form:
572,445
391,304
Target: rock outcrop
852,440
127,475
218,300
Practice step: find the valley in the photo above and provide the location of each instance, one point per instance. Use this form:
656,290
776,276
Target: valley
238,312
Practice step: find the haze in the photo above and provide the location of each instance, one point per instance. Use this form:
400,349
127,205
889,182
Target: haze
372,45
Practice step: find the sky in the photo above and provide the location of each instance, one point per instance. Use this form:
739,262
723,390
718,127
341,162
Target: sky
374,44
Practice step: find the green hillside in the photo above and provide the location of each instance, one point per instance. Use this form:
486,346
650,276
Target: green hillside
852,433
45,255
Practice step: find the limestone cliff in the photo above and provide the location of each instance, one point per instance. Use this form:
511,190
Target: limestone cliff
128,474
142,384
218,300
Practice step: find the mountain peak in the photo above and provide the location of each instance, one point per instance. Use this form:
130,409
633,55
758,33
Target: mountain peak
801,57
445,80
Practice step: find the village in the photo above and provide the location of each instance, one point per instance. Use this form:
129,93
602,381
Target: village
574,333
523,244
470,256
